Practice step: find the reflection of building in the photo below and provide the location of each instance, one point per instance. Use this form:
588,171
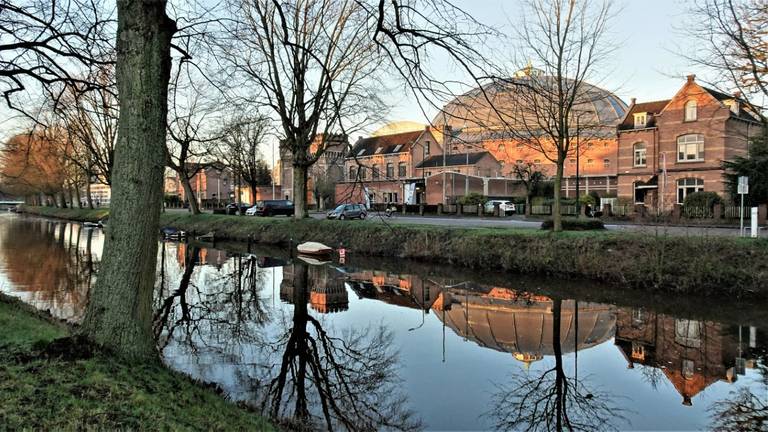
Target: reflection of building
691,354
327,293
522,324
674,147
398,289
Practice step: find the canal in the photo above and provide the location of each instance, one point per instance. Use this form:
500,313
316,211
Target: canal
399,345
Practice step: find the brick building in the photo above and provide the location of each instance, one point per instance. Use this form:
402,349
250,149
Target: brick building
668,149
386,167
211,182
322,176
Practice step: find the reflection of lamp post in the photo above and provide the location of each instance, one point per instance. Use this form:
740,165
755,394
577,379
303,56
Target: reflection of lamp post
423,315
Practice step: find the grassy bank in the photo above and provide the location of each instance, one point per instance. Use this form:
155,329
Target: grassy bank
75,214
45,386
690,265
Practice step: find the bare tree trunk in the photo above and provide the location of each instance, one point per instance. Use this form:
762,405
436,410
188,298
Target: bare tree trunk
254,188
187,185
119,315
557,218
528,204
88,193
78,197
300,192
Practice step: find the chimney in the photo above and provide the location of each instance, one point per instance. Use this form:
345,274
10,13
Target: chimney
691,78
632,101
737,94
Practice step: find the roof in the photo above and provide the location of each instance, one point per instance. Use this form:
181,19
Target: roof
653,107
385,144
453,159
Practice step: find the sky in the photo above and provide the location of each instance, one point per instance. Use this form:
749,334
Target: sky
646,63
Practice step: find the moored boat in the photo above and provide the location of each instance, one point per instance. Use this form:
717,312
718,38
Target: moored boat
314,249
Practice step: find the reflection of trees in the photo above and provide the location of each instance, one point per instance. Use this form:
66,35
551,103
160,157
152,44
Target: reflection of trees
323,381
46,260
747,409
208,309
553,400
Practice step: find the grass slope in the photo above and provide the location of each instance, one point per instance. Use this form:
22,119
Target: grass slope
39,391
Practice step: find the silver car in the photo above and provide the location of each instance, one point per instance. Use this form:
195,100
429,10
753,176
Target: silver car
505,206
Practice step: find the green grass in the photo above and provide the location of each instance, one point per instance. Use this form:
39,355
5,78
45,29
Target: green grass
76,214
98,392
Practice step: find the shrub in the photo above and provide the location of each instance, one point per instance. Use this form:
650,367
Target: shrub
702,200
473,198
575,224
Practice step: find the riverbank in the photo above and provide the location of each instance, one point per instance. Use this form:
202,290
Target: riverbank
47,385
688,265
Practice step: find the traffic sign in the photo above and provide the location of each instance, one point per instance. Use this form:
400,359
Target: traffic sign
743,188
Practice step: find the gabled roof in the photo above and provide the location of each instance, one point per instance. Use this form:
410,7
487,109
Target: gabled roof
722,97
385,144
453,159
652,108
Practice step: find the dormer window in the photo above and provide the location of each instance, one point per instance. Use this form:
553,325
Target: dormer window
691,111
378,150
360,153
733,105
641,120
397,148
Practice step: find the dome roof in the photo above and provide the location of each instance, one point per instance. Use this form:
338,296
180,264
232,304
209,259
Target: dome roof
398,127
510,101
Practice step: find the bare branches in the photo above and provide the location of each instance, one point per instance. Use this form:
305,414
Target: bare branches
48,45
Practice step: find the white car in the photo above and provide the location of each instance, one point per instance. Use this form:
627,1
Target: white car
251,211
505,206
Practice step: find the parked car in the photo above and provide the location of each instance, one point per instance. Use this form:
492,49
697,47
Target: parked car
271,208
231,209
348,211
508,207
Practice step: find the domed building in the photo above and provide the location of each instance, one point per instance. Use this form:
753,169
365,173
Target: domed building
498,116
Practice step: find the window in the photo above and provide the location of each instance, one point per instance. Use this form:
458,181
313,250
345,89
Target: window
690,111
690,148
375,172
688,369
519,145
641,120
590,162
537,162
501,148
401,169
606,163
352,173
390,170
688,186
572,161
426,149
519,161
378,150
360,153
640,154
397,148
363,173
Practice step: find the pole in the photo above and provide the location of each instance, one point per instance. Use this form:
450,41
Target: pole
578,205
741,217
466,177
273,170
445,146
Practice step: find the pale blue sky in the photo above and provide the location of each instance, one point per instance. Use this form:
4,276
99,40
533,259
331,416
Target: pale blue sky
646,64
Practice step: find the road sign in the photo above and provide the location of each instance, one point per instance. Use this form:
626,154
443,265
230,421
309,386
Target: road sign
743,188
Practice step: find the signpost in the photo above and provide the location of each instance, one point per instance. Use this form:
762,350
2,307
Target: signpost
742,189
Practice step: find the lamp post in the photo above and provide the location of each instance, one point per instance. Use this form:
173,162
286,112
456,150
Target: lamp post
273,169
578,133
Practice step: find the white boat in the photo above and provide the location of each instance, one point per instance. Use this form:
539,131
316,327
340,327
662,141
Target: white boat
314,249
315,261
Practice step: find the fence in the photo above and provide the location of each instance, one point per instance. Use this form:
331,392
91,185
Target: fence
541,210
698,212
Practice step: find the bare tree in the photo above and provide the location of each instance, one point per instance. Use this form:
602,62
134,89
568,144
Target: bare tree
566,40
240,149
314,64
529,175
735,33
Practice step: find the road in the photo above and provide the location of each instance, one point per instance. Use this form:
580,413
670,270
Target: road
519,222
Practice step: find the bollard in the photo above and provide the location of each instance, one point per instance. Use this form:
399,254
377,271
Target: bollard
440,209
421,209
404,207
479,210
459,210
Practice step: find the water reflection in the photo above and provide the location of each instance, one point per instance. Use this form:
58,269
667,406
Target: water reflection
360,347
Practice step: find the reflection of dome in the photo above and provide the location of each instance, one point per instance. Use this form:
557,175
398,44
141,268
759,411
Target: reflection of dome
472,110
525,329
398,127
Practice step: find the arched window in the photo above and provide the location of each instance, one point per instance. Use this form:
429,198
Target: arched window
640,150
353,173
375,172
690,111
687,186
390,170
690,148
363,173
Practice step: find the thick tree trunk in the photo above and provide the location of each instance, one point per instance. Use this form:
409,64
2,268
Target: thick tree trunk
190,194
119,315
300,192
557,218
528,204
254,189
78,197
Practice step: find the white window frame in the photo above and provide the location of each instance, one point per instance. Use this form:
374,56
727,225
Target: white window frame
687,186
691,111
641,120
637,151
687,143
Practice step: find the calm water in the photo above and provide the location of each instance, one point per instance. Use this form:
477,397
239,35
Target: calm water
400,345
